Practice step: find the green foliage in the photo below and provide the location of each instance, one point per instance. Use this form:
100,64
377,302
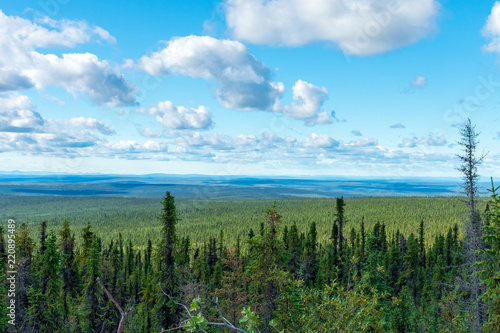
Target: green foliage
335,308
377,277
490,269
137,218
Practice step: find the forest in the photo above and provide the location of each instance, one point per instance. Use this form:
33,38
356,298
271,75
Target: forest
273,278
310,265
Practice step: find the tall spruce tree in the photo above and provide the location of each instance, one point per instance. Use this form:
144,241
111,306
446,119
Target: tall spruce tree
46,311
473,232
311,256
340,220
166,309
265,268
294,258
24,255
69,271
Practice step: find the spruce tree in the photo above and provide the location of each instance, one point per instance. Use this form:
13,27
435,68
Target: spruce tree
473,232
340,220
69,271
91,303
166,309
265,268
421,243
294,258
311,256
46,310
24,256
490,270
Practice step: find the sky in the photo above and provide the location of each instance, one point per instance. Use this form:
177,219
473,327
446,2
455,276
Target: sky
354,88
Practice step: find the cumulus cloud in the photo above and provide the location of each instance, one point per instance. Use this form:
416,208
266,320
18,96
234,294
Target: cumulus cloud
22,66
397,125
18,115
242,81
215,141
434,140
491,30
179,117
82,73
149,133
431,140
13,79
25,130
92,124
308,100
408,143
59,34
365,142
358,27
265,143
419,81
320,141
129,148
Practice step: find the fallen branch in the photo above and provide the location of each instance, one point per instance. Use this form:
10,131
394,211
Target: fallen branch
122,313
225,322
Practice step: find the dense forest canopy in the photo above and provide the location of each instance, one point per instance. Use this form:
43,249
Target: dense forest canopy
359,277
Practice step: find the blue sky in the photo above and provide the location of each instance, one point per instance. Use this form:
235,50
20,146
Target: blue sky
248,87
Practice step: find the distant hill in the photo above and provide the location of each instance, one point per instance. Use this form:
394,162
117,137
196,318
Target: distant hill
221,187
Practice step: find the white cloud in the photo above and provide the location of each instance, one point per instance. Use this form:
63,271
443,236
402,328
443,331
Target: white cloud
18,115
216,141
23,67
431,140
13,79
149,133
408,143
82,73
243,81
419,81
133,147
491,29
179,117
308,100
320,141
365,142
92,124
24,130
359,27
63,33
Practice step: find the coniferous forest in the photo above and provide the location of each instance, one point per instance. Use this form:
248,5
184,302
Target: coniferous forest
356,278
274,278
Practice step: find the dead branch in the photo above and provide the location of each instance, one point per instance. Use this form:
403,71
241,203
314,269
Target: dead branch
225,322
122,313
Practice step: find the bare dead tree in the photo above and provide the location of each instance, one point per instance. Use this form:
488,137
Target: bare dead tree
469,169
118,307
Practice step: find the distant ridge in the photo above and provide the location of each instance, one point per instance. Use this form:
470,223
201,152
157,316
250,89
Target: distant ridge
222,187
